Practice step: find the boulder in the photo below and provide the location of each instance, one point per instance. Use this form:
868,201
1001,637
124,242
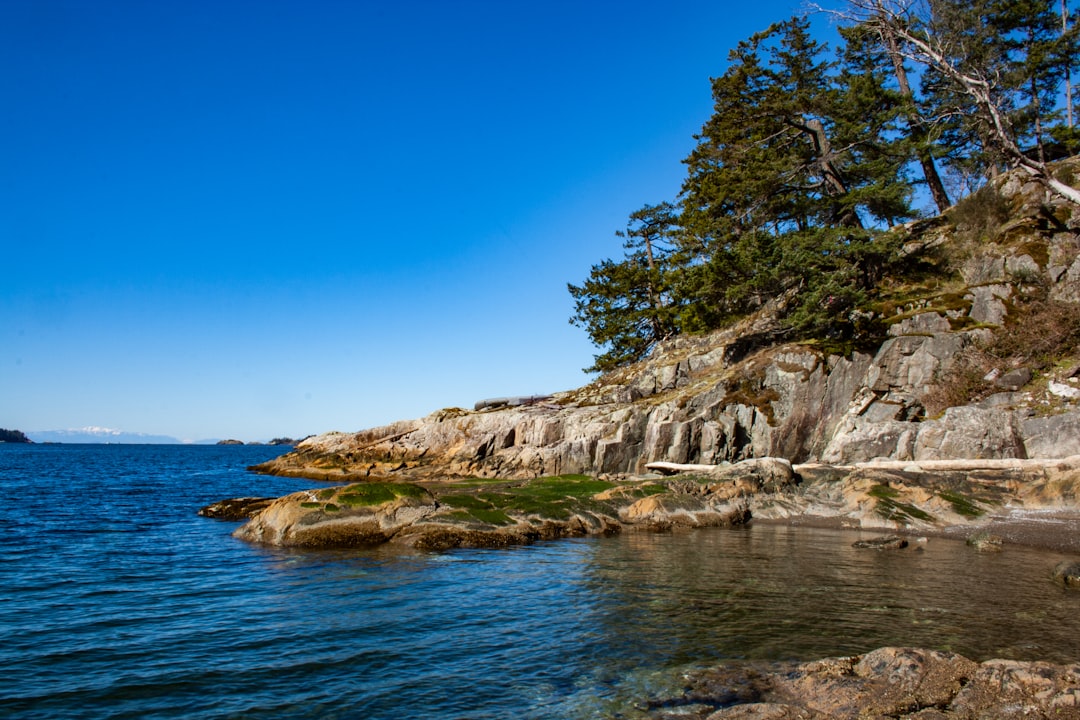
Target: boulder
885,542
1067,572
236,508
1014,379
1053,436
354,515
907,683
970,432
987,303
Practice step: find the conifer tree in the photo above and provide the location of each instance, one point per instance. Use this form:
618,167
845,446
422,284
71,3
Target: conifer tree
628,306
792,176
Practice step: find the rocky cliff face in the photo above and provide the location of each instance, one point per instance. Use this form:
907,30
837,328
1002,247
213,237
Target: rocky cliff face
740,393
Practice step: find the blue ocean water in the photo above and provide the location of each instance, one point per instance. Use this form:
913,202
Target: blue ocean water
118,601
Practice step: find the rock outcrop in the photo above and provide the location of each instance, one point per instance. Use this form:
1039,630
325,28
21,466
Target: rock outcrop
971,499
901,683
486,514
743,393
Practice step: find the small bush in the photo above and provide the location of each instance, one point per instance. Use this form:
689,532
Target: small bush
1038,334
979,216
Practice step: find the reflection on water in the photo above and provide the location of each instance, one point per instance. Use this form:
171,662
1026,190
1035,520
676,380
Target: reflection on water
118,601
775,592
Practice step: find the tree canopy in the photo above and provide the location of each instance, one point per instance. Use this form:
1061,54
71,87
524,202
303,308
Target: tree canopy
812,154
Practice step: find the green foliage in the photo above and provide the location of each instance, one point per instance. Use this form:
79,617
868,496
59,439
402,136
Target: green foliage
13,436
807,161
631,305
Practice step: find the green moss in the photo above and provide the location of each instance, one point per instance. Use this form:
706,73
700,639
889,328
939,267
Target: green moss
326,494
888,507
478,482
883,492
311,505
962,505
550,497
331,508
485,509
377,493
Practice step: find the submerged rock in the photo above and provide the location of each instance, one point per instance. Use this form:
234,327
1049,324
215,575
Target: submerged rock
236,508
1067,573
886,542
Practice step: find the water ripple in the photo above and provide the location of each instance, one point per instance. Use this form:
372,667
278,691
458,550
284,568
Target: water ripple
119,602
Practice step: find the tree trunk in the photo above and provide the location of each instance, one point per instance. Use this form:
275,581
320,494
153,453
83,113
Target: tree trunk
926,159
979,89
1068,72
833,179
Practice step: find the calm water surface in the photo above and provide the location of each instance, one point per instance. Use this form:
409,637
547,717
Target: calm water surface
118,601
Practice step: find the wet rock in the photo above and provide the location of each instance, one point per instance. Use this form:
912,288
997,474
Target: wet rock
236,508
1067,573
985,541
905,683
1007,689
887,542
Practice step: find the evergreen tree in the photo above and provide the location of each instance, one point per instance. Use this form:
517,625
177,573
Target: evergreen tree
970,76
1037,58
629,306
793,175
803,166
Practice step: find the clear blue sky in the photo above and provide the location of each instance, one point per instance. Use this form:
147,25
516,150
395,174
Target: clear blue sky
260,218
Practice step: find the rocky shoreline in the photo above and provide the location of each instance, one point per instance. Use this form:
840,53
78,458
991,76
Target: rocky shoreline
962,422
1014,501
887,683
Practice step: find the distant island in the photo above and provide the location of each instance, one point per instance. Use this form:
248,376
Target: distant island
13,436
275,441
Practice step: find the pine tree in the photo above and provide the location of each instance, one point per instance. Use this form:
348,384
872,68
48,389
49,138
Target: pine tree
970,77
793,176
629,306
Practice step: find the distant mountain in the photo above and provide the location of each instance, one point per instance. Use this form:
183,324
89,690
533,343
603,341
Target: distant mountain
100,435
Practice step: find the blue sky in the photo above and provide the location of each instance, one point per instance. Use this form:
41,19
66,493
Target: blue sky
261,218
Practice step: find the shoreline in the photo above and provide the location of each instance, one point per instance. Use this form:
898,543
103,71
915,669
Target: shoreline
1052,529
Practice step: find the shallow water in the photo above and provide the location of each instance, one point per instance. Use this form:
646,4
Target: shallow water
119,601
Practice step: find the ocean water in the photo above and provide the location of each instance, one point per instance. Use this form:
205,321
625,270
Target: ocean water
118,601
